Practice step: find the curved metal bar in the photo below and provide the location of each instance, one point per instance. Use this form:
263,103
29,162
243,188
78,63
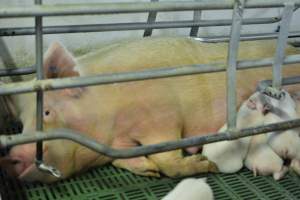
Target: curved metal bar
130,7
11,140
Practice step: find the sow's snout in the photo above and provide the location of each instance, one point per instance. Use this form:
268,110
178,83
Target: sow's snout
20,162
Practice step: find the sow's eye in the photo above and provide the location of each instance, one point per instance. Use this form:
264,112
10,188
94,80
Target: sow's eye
47,112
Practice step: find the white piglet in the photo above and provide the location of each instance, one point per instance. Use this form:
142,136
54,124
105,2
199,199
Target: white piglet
229,155
191,189
263,157
285,143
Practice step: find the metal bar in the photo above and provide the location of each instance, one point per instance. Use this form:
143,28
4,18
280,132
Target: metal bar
10,140
54,84
262,85
246,37
7,59
128,26
233,49
281,44
39,76
197,17
130,7
151,19
17,71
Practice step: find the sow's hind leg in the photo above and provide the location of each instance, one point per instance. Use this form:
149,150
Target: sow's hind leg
147,126
173,163
139,165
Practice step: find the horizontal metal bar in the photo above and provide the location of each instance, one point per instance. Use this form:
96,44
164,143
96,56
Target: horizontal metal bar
262,85
245,37
53,84
128,26
11,140
17,71
129,7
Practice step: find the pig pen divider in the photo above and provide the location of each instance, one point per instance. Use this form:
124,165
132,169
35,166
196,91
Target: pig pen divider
39,85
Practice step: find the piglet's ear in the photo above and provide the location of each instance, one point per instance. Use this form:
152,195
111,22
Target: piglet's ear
59,62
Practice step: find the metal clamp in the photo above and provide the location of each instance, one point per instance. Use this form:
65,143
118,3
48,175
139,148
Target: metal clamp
48,169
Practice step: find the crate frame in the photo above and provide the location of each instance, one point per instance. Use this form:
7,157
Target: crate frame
40,85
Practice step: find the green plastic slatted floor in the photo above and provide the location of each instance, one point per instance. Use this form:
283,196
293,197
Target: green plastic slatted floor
110,183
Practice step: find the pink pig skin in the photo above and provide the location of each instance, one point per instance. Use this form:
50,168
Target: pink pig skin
124,115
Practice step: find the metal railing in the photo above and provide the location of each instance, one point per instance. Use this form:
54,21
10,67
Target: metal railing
38,11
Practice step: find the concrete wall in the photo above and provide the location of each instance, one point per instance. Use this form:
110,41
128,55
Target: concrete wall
22,47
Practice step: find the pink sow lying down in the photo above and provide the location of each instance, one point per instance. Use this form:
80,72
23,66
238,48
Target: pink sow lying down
129,114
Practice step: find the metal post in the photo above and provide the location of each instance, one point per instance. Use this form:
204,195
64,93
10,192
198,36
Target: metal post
197,17
232,62
39,74
151,19
281,44
40,97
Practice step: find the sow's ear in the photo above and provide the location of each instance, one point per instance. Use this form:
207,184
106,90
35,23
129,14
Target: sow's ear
59,62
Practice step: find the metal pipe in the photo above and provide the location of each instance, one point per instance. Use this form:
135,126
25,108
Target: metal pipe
39,76
246,37
17,71
233,49
130,7
151,19
53,84
281,44
129,26
196,17
10,140
263,85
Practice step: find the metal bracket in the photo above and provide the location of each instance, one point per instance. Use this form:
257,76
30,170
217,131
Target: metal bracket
48,169
151,19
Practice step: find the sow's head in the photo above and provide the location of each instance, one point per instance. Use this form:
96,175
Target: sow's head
66,156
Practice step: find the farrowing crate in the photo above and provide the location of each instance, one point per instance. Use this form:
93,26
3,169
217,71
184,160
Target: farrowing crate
109,182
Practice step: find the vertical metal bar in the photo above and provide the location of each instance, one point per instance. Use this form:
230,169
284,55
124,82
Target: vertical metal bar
40,96
281,44
197,17
151,19
232,62
39,75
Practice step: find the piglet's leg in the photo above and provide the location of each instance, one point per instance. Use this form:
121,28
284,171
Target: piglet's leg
295,165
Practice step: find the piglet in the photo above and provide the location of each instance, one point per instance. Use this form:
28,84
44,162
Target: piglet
191,189
229,155
261,158
285,143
